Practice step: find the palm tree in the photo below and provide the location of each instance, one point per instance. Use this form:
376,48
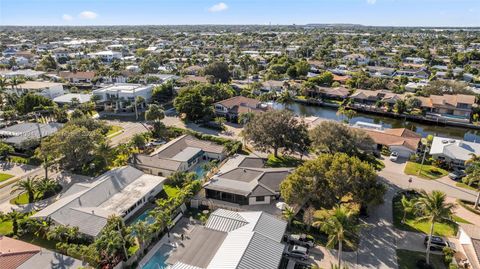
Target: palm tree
105,151
142,232
340,227
408,206
28,186
14,217
473,159
288,214
63,233
47,187
434,208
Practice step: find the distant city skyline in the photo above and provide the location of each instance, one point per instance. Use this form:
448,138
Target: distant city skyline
435,13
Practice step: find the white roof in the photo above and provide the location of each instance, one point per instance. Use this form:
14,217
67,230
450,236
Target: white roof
122,87
67,98
454,148
88,205
186,154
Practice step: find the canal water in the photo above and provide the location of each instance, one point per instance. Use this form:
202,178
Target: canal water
423,129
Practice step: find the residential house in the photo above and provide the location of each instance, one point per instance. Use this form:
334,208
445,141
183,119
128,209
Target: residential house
232,108
106,56
469,239
122,96
24,73
179,155
16,254
118,192
449,107
273,86
27,135
78,77
368,97
381,72
413,73
358,59
231,240
243,180
46,89
70,98
453,152
337,93
401,140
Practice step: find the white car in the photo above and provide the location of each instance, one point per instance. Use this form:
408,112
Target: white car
394,156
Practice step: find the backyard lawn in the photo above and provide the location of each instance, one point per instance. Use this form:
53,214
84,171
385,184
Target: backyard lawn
4,176
170,190
5,227
283,161
428,171
410,224
114,131
22,198
407,259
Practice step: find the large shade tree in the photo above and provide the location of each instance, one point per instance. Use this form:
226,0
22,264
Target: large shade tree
332,137
275,130
329,179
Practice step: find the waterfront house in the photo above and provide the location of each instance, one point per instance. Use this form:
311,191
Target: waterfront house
243,180
449,107
118,192
179,155
454,152
368,97
401,140
229,240
16,254
232,108
337,93
121,96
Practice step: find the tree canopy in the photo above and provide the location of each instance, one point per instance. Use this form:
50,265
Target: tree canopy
332,137
277,129
219,71
332,179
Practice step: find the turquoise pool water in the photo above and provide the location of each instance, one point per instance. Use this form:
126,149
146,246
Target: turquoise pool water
200,171
143,217
158,260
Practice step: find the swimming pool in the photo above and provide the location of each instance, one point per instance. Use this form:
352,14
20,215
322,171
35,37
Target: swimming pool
200,171
159,259
144,217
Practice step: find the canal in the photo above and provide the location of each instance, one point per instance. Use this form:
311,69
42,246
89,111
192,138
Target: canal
423,129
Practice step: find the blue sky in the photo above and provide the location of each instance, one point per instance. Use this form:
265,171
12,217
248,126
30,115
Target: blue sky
136,12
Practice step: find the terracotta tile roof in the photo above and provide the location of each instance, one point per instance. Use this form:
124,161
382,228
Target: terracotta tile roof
395,137
15,252
79,75
447,100
230,103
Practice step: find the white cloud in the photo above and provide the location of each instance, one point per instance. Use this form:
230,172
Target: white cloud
371,2
89,15
67,17
218,7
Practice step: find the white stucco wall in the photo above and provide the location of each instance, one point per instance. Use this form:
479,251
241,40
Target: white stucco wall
253,201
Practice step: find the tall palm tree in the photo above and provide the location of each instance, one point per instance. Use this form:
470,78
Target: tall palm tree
340,227
28,186
105,151
408,206
14,217
142,232
434,208
288,214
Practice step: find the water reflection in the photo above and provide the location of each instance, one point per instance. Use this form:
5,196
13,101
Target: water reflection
423,129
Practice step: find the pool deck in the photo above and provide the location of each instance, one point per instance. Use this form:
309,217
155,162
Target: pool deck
184,226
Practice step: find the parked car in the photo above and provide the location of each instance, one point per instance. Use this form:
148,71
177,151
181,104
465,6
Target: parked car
299,239
457,175
158,142
296,251
437,243
394,156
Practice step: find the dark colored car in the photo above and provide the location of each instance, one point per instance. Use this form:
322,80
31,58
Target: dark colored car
437,243
457,175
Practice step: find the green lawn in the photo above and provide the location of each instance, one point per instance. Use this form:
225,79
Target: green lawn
407,259
5,227
22,198
428,171
170,190
441,229
282,161
4,176
23,160
114,131
465,186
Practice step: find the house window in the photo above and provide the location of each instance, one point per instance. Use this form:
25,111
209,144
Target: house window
260,198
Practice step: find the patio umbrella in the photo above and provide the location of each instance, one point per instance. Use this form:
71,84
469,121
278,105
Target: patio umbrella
281,205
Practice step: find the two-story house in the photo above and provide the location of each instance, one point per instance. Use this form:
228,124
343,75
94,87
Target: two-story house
121,96
449,107
232,108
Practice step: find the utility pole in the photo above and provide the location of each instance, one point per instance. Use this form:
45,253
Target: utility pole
40,140
423,159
